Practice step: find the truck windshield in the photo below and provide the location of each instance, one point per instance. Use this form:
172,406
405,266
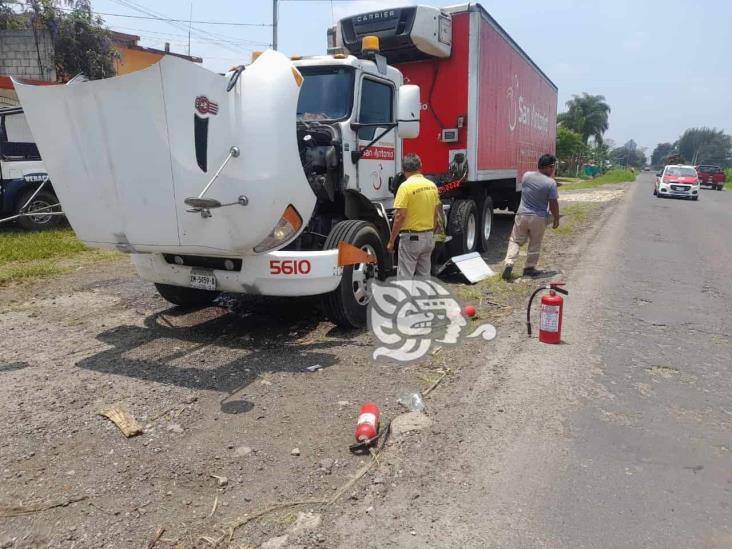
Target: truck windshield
326,93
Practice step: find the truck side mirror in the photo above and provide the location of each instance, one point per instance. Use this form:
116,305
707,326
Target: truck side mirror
408,111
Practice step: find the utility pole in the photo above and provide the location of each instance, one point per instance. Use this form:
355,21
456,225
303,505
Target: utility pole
190,24
274,24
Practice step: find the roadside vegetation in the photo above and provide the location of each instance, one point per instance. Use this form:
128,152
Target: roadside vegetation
728,178
613,176
26,255
695,146
494,298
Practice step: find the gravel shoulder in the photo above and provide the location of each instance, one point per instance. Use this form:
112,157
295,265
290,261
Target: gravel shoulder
224,398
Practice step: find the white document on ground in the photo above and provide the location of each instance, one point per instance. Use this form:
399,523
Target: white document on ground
473,267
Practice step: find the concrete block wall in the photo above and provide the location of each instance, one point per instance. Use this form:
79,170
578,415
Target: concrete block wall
19,54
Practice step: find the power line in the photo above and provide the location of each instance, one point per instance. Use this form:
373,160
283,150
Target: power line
157,34
182,25
171,20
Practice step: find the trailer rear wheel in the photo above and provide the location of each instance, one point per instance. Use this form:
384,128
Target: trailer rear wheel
486,223
462,225
186,297
346,305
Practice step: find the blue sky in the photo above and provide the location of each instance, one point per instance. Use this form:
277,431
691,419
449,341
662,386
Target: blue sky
663,65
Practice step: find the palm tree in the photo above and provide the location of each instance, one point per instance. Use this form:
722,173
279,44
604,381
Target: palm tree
587,115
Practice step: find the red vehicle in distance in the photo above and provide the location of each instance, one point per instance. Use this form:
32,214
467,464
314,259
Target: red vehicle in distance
712,176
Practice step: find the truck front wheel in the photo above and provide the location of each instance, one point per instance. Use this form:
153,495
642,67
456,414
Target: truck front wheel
186,297
462,226
346,305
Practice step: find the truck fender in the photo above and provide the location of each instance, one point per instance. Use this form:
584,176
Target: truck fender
357,206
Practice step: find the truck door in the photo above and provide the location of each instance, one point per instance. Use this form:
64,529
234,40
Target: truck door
378,163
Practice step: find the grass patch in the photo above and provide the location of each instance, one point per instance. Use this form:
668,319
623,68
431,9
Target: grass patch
27,270
26,255
493,286
613,176
573,215
569,180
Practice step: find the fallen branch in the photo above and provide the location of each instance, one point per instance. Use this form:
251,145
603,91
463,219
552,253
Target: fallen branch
366,468
436,383
215,506
8,511
277,507
158,534
161,414
360,473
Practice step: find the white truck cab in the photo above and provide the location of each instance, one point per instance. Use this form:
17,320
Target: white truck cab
275,179
362,102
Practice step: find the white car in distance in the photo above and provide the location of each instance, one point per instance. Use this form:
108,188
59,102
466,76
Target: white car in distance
677,180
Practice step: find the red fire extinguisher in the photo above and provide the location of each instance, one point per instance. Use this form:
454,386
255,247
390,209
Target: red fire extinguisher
368,422
550,317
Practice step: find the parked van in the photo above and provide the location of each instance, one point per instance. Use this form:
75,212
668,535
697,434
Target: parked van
21,173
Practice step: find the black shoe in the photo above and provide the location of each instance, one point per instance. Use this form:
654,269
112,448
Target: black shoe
532,272
507,270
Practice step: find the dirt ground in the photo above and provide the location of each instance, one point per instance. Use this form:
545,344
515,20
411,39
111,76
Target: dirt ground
233,422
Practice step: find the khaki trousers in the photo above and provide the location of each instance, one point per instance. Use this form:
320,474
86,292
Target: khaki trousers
525,227
415,255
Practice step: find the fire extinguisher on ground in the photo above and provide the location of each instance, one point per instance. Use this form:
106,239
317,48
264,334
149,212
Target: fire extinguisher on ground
550,317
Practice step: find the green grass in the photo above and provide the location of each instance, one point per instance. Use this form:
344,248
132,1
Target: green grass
613,176
569,180
728,184
573,215
26,255
493,286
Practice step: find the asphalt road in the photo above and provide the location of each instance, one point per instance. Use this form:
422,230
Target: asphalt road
622,436
652,466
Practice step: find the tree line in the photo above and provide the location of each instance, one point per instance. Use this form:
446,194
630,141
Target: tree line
581,145
695,146
82,45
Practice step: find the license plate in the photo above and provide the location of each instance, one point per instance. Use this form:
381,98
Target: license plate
203,279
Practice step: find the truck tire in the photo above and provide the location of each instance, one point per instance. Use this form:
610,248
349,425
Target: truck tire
462,226
346,305
42,200
486,223
186,297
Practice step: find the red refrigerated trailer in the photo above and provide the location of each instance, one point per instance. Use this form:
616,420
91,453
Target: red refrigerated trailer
488,111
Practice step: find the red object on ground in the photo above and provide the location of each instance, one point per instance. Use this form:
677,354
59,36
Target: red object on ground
469,310
368,422
550,318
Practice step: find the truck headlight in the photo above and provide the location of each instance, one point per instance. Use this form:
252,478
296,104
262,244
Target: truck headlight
286,228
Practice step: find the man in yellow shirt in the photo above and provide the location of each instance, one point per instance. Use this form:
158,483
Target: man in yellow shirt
417,206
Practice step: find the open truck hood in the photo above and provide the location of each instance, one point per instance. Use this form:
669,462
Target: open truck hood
124,153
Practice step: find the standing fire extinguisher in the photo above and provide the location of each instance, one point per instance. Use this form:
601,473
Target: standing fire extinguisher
550,317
